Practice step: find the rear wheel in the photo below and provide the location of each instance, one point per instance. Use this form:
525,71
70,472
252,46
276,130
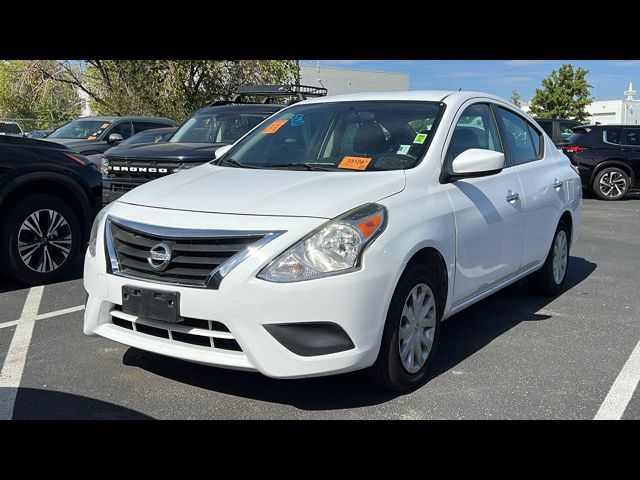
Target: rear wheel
41,240
411,332
611,183
550,279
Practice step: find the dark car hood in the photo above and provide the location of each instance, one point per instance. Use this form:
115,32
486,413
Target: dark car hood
182,152
73,143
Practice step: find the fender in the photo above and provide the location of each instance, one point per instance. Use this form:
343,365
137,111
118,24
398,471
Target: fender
612,163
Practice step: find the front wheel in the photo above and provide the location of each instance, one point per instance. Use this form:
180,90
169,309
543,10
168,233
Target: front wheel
550,279
611,183
410,333
41,240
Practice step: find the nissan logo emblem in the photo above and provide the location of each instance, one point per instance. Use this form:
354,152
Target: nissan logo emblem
159,256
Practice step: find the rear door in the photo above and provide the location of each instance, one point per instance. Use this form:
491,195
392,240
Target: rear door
533,161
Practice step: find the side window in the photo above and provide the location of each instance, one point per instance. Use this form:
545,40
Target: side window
517,137
536,138
476,128
566,129
142,126
612,135
631,136
123,129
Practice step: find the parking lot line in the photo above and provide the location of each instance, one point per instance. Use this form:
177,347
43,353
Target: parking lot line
622,389
14,361
44,316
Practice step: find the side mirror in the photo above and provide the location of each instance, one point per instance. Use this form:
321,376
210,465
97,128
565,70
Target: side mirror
477,162
221,151
114,138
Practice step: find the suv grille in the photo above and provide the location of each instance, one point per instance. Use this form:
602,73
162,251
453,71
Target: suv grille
197,257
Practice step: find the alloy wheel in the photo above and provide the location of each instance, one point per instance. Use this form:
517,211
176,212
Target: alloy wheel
44,240
416,328
612,184
560,257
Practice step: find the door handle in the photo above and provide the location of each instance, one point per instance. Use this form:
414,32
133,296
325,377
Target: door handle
512,196
557,184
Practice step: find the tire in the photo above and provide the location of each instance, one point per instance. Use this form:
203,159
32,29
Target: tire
32,267
611,183
389,371
545,281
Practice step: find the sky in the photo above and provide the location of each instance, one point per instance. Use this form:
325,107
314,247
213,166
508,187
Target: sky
609,78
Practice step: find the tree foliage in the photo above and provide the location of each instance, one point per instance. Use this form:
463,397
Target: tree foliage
565,93
515,98
169,88
27,93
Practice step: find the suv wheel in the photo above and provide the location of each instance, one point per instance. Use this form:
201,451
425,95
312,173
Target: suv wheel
611,183
550,279
411,332
41,239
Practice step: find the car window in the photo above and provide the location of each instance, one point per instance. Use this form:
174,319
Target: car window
476,128
631,136
81,129
142,126
547,126
217,127
536,139
517,137
612,135
566,129
123,129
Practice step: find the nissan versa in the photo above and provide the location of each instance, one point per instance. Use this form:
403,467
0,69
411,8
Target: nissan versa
336,236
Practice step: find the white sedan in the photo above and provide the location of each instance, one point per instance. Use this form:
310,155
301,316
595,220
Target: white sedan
336,236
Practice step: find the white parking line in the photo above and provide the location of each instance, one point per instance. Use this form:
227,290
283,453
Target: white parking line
11,373
43,316
622,389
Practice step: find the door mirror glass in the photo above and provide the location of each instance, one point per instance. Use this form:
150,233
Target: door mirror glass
476,162
114,138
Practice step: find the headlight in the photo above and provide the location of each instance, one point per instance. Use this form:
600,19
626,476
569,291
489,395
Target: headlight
334,248
93,236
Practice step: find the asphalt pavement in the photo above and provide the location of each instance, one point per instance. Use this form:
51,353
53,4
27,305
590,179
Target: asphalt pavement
512,356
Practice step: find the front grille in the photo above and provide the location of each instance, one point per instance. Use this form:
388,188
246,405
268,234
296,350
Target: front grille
122,187
141,168
203,333
195,255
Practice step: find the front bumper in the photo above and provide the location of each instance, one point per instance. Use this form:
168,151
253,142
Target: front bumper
357,302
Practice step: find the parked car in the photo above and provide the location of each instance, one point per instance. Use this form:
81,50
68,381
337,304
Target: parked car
38,133
146,137
558,129
336,236
91,135
8,127
607,158
49,196
195,142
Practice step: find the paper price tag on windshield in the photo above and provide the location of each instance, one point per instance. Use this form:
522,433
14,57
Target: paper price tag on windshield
104,125
420,138
355,163
274,126
91,137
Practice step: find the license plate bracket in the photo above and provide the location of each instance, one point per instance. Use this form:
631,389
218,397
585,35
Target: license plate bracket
151,304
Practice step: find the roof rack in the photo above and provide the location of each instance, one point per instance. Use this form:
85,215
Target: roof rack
299,92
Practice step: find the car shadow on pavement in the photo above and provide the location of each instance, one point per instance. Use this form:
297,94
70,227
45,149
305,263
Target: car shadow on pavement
11,285
38,404
461,336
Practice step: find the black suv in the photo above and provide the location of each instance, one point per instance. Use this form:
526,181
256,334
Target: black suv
558,129
49,196
195,142
607,157
91,135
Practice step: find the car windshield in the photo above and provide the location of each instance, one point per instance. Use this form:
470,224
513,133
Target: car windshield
220,127
80,129
149,136
371,135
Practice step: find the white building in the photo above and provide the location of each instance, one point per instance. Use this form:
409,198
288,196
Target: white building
626,112
85,109
348,80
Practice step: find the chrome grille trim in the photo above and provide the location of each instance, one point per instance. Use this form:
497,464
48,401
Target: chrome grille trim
214,277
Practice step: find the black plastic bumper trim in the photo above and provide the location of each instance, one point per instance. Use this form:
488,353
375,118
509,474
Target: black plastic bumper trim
310,339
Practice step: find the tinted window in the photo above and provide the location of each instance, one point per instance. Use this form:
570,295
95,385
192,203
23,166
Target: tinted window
547,126
631,136
536,138
123,129
80,129
517,137
476,128
566,129
612,135
141,126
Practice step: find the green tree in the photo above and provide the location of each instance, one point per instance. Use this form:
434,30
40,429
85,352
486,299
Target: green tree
33,97
515,98
171,88
565,93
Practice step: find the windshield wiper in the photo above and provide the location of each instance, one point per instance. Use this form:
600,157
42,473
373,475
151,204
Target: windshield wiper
299,166
233,163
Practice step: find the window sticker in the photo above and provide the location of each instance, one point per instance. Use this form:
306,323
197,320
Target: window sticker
403,149
274,126
91,137
420,138
355,163
104,125
297,120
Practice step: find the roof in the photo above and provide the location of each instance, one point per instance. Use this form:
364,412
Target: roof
453,96
243,107
111,118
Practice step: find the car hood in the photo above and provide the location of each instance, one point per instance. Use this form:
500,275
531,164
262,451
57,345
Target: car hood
181,152
209,188
72,143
